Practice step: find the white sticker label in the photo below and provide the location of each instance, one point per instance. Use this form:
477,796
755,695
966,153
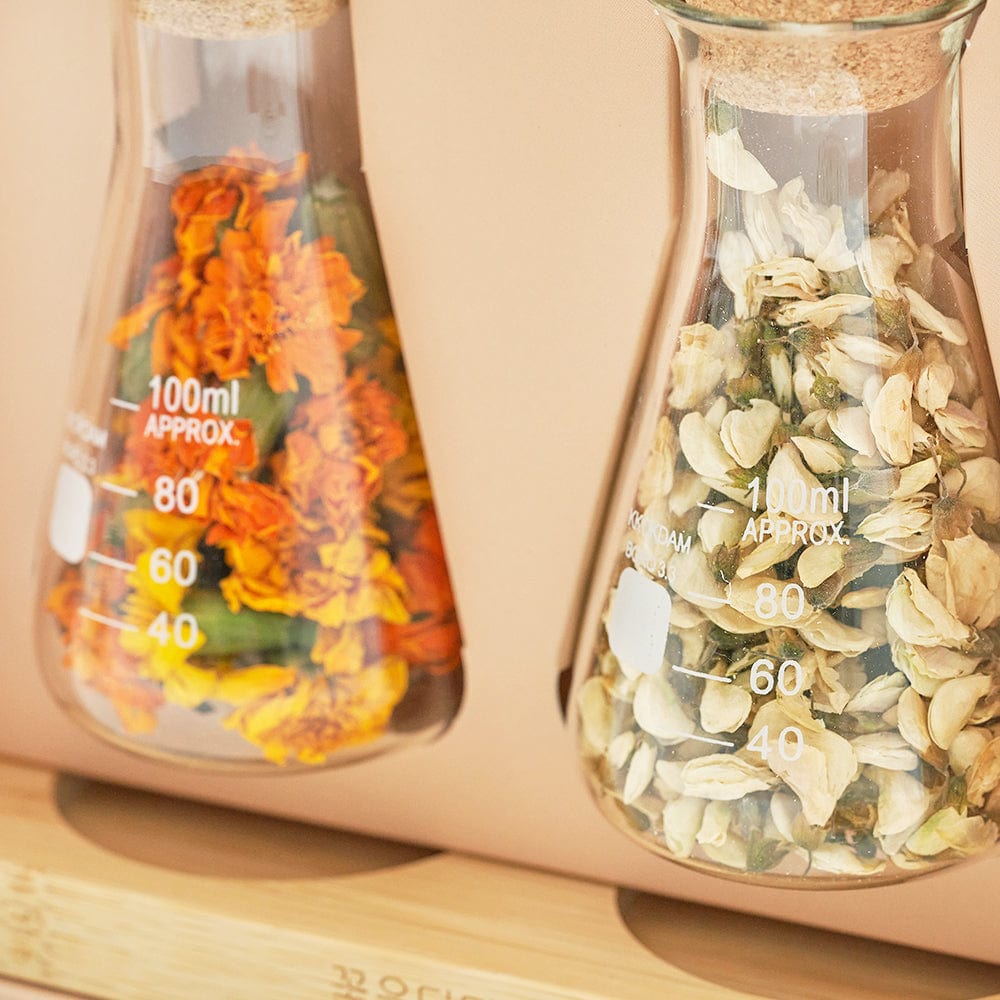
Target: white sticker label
639,623
69,519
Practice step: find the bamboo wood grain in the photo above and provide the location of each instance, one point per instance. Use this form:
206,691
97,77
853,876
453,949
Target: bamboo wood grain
142,898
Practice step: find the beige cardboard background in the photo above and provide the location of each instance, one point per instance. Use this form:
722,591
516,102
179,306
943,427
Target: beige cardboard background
518,158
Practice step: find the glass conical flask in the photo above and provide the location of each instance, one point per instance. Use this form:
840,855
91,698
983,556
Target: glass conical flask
242,561
788,670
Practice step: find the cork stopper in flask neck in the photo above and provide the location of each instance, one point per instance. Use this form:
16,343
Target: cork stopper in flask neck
801,57
223,19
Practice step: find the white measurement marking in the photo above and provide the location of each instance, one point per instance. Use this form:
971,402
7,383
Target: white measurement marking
712,506
124,404
104,620
706,597
120,490
702,739
109,561
699,673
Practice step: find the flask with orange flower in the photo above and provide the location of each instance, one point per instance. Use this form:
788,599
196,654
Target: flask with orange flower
242,559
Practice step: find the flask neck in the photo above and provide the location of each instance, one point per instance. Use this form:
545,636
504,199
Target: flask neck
185,101
829,135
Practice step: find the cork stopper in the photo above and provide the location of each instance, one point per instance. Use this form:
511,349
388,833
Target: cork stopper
814,11
817,74
233,18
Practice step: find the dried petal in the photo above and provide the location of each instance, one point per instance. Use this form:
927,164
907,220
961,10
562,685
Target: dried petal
596,718
880,694
902,524
979,487
884,189
961,426
952,707
966,749
700,363
781,377
620,749
903,804
719,527
948,830
689,577
640,772
736,257
914,478
760,216
820,774
886,750
703,448
911,719
822,457
892,420
984,775
734,165
840,859
851,424
775,546
934,386
659,711
795,491
724,707
868,349
824,631
824,313
820,233
715,824
746,434
930,319
865,598
657,476
682,819
918,617
879,261
725,777
964,575
818,563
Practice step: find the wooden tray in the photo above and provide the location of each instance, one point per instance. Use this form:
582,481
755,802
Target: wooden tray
124,895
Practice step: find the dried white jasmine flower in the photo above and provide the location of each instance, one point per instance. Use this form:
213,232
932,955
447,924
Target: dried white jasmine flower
961,426
824,313
891,420
640,772
596,718
818,563
879,261
746,434
659,712
724,707
889,751
703,448
852,425
700,363
964,575
885,189
918,617
725,777
736,257
930,319
734,165
977,483
822,457
902,524
682,819
620,749
967,748
952,706
949,830
880,694
657,477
